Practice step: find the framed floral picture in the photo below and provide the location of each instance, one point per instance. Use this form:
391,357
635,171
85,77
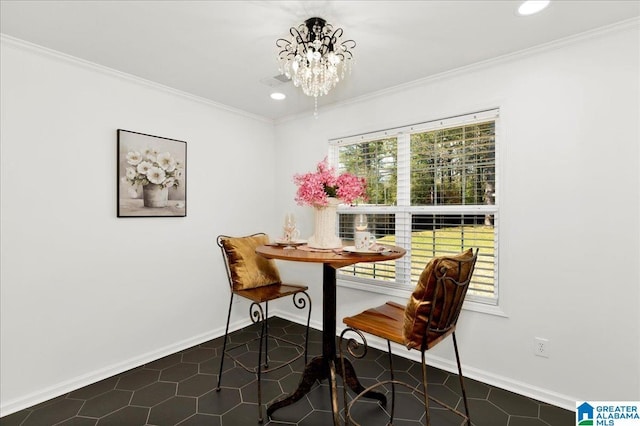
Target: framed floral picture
152,178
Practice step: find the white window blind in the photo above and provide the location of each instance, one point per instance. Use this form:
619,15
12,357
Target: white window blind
431,189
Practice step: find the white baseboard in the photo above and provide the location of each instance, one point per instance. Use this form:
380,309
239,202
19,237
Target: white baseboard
65,387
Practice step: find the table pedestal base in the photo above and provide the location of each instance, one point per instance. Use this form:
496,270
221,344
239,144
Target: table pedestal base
330,363
319,369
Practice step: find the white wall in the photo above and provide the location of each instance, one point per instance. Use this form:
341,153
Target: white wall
569,210
84,294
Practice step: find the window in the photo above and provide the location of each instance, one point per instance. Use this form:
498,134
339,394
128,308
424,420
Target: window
432,190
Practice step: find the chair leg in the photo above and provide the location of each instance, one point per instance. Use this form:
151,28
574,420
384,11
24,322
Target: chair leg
263,325
424,388
300,303
306,334
224,344
461,378
266,335
393,385
344,374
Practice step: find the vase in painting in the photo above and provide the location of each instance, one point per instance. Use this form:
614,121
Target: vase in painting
155,195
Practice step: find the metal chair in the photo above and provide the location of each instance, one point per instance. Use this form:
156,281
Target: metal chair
430,316
257,279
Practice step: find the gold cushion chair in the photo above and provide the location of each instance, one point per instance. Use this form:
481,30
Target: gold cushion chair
257,279
430,315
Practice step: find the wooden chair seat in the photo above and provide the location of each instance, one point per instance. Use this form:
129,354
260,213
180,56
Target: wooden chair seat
270,292
385,321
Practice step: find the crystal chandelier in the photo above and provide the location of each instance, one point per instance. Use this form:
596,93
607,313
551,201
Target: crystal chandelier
315,57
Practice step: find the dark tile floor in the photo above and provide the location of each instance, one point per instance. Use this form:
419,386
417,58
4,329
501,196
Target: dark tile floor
179,390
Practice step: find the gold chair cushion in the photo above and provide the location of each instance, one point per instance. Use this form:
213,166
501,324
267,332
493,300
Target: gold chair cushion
418,309
248,269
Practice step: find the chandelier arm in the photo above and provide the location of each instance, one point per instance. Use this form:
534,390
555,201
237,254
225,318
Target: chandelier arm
295,33
333,39
345,57
283,54
349,44
337,33
346,54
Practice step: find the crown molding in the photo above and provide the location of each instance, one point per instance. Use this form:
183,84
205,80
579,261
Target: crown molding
51,53
622,26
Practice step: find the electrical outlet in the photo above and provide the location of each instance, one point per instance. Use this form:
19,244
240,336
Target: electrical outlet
541,347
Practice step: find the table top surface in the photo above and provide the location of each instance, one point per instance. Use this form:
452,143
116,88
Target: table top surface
337,258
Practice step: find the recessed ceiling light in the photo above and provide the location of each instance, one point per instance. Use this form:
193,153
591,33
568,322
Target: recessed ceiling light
278,96
531,7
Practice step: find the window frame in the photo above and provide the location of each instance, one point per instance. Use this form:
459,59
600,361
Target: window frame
404,210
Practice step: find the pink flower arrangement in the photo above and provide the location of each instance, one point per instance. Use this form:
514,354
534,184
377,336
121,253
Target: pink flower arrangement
314,189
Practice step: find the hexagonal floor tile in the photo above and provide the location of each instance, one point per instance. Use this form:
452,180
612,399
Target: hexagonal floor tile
444,394
202,420
173,411
270,391
126,416
513,404
484,413
164,362
154,394
198,354
137,379
370,413
244,414
106,403
53,413
215,402
237,378
79,421
408,406
526,421
474,388
178,372
212,365
197,385
317,418
556,415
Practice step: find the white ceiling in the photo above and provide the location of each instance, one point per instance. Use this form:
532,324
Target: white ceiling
222,50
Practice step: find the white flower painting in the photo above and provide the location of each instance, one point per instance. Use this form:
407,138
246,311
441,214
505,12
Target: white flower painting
149,163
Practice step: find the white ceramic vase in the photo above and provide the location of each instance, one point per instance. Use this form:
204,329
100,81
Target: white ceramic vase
324,236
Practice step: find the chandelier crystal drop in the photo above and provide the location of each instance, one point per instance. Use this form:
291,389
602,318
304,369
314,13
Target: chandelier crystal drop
315,57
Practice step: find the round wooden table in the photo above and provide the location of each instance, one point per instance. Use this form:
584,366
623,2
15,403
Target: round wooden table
329,363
